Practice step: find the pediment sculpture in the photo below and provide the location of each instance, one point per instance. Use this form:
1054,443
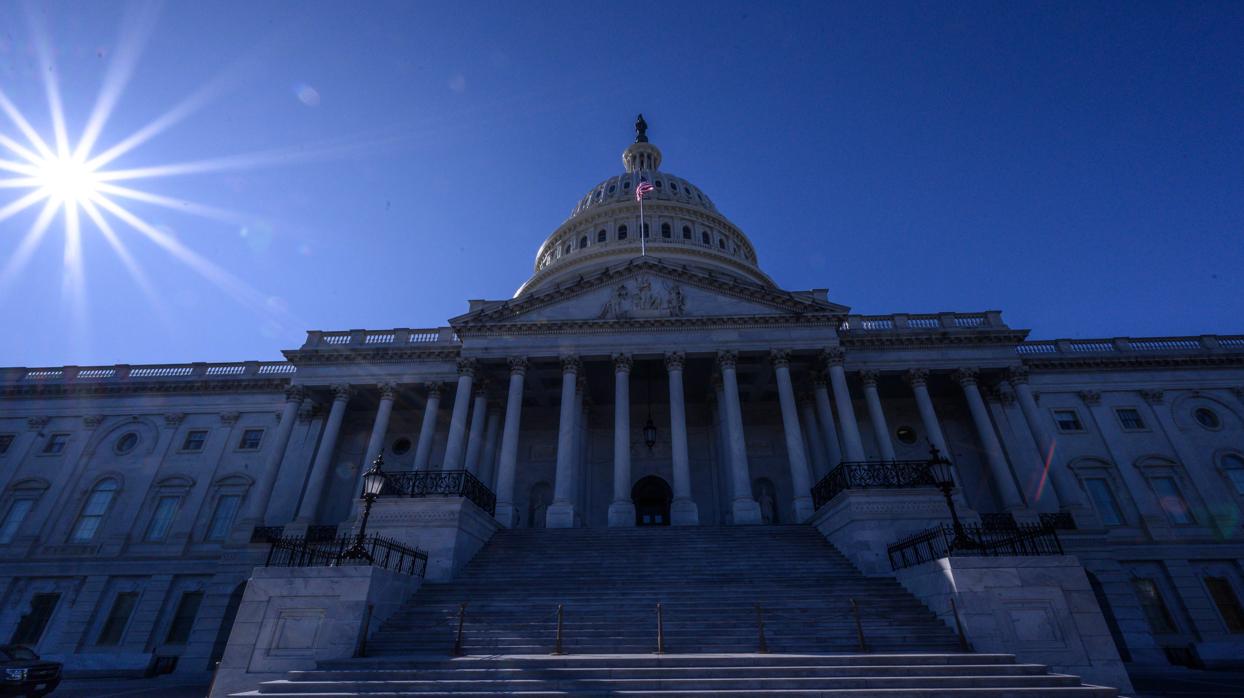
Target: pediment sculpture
640,298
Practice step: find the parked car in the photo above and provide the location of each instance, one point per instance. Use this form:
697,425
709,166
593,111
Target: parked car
22,673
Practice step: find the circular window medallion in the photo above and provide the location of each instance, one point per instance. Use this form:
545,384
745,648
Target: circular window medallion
401,446
1207,418
127,442
906,434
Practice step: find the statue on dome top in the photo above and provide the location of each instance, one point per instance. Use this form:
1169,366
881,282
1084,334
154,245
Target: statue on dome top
641,129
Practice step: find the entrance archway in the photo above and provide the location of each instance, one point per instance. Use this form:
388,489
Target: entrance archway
652,496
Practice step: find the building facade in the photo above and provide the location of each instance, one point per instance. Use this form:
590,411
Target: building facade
648,373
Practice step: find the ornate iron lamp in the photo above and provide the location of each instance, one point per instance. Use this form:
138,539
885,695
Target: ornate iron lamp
373,482
943,472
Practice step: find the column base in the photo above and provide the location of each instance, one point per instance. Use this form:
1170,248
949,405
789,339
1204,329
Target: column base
560,515
622,514
746,511
684,512
804,509
506,514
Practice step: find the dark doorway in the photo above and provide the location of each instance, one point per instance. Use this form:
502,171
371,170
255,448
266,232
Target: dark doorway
652,497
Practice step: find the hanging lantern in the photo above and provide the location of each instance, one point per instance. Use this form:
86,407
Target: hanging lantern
650,434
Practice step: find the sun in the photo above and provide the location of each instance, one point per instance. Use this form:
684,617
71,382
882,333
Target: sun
68,180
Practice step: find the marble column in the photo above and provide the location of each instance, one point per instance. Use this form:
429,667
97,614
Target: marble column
801,481
723,435
1066,489
1004,482
458,417
380,427
683,510
622,510
323,457
507,464
812,435
918,379
427,430
745,508
876,415
825,417
578,471
852,445
294,396
475,437
561,512
488,458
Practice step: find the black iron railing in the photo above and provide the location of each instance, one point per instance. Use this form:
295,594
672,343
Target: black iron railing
321,533
939,541
266,534
441,483
385,553
1059,521
867,474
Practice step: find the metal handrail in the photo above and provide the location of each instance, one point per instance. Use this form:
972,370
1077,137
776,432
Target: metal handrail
385,553
939,542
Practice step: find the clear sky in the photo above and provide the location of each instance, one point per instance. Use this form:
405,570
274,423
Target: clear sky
1079,166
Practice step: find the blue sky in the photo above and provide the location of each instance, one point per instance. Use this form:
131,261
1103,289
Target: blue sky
1076,165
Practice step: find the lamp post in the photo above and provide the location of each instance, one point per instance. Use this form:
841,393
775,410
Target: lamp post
944,477
373,482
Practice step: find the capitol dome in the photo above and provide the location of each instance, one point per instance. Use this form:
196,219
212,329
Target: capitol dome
683,226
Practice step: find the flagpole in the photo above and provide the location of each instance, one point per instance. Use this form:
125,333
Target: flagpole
643,242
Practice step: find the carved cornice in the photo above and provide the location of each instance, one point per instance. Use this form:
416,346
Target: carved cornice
1134,361
913,338
622,363
371,355
685,323
675,360
223,385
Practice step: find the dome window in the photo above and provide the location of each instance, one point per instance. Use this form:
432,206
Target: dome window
627,185
583,242
601,236
613,188
621,232
666,231
566,249
673,187
658,183
704,237
721,243
686,232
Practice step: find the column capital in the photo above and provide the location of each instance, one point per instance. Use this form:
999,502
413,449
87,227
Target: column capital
780,358
434,389
622,363
37,423
966,376
466,367
727,359
1090,397
91,421
869,377
1017,375
834,356
819,379
388,391
1004,393
341,391
174,419
675,360
917,376
295,393
571,364
1153,397
518,365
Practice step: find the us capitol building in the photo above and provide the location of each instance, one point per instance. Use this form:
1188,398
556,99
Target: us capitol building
645,375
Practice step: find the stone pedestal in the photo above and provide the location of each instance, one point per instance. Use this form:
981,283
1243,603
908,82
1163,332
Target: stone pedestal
450,529
559,515
746,511
622,514
683,512
1040,608
863,523
292,617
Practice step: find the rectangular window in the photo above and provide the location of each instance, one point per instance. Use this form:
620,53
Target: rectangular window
194,440
1068,420
31,625
162,519
183,619
92,516
56,443
250,439
1130,418
222,517
13,519
1227,602
1103,500
6,440
1159,617
118,618
1172,500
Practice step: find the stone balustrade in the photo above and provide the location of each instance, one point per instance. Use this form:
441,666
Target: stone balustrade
153,372
987,320
1128,345
402,336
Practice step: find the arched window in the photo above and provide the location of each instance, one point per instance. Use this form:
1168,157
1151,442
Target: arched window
621,232
97,503
686,232
721,242
673,187
704,238
658,184
666,230
566,249
601,236
645,231
613,188
582,242
626,186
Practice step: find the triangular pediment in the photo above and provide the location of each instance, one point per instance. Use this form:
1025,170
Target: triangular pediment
647,290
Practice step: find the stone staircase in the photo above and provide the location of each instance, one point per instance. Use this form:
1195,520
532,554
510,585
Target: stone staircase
709,582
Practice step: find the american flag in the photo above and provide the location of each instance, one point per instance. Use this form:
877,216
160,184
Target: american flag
643,188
